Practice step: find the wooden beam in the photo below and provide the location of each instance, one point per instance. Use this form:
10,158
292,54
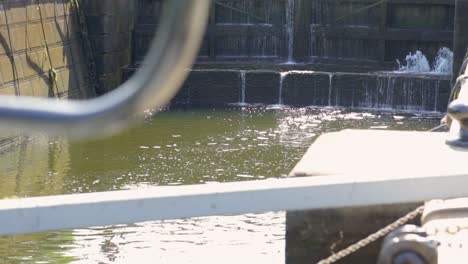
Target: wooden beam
244,30
302,34
212,37
383,29
390,34
422,2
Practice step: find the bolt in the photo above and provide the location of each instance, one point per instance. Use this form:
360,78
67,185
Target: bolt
453,229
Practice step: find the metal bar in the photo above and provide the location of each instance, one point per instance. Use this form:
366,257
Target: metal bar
172,52
39,214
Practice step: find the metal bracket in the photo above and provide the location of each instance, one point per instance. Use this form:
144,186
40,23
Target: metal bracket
408,245
458,111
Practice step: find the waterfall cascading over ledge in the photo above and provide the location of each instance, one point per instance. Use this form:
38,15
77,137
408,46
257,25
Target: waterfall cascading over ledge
257,41
422,92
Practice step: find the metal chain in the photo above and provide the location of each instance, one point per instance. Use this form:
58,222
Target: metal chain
438,128
373,237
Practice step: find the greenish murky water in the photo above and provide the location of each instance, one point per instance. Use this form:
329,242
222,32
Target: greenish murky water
175,147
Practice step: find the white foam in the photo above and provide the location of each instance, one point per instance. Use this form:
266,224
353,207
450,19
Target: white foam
417,63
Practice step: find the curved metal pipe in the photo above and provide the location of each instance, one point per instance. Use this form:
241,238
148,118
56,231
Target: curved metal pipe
164,69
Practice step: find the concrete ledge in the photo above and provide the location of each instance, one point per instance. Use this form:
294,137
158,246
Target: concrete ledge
313,235
213,88
262,87
306,89
422,92
352,90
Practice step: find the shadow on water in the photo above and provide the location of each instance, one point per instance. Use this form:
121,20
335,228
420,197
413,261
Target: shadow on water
175,147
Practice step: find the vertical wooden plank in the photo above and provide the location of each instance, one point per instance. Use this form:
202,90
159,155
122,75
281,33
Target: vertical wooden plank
302,34
279,23
330,45
210,33
383,30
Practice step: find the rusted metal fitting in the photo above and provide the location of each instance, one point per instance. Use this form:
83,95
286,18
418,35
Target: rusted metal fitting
408,245
458,111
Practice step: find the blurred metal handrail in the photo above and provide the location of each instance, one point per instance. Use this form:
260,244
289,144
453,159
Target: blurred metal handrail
164,69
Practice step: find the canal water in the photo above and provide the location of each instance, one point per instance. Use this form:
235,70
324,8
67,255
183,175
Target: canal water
173,148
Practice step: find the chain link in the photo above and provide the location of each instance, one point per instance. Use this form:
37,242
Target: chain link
373,237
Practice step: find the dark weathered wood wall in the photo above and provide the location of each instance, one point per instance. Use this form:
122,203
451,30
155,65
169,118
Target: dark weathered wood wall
378,30
367,31
239,30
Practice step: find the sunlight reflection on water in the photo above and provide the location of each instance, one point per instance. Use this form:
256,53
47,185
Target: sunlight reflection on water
174,148
257,238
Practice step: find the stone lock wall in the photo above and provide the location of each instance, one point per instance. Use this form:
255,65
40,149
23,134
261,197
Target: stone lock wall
27,30
349,42
110,25
118,33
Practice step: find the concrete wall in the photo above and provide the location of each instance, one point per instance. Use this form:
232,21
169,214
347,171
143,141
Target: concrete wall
314,235
110,25
24,61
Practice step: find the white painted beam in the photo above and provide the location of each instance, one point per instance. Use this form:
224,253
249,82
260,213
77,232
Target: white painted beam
39,214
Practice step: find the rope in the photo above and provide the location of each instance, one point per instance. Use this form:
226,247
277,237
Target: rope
75,3
52,72
373,237
13,62
437,128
